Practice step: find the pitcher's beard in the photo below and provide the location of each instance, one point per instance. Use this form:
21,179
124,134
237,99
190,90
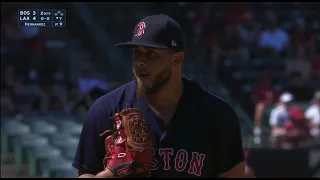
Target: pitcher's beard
161,79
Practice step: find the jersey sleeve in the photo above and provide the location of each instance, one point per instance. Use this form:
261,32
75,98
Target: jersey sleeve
228,142
313,115
308,114
90,151
273,121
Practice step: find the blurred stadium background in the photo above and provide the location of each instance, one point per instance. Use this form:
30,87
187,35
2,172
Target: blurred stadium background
50,76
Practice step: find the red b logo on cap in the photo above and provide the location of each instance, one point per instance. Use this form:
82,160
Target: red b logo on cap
140,30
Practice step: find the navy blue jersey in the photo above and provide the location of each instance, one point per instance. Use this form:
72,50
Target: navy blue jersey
202,139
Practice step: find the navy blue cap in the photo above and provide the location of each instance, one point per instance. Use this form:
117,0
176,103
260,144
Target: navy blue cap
157,31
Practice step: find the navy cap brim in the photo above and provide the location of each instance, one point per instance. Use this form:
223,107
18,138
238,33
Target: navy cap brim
132,44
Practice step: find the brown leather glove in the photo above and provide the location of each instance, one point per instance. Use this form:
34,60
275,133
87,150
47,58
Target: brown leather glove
129,148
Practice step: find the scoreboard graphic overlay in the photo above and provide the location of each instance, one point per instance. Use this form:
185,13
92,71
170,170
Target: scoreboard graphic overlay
42,18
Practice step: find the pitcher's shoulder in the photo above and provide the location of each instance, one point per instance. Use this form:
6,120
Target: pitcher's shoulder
109,101
204,98
212,104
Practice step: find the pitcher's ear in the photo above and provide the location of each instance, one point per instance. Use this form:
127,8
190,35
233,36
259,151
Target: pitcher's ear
178,58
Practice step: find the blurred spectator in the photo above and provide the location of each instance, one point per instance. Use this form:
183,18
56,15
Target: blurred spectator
302,37
20,99
81,111
81,105
279,115
315,67
60,84
33,76
313,114
264,94
248,170
30,32
7,105
59,77
210,38
45,102
274,39
229,45
73,97
264,91
87,82
296,129
33,40
8,76
249,30
60,103
201,20
78,103
300,87
237,11
11,36
300,63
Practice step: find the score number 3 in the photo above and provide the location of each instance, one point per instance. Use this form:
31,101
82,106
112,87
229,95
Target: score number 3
34,17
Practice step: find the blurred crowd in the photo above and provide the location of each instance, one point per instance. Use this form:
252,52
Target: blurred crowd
25,95
290,124
239,33
246,39
35,79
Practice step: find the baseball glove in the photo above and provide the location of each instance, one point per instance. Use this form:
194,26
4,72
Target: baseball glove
129,148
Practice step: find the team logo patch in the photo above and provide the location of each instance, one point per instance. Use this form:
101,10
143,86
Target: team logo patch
140,30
